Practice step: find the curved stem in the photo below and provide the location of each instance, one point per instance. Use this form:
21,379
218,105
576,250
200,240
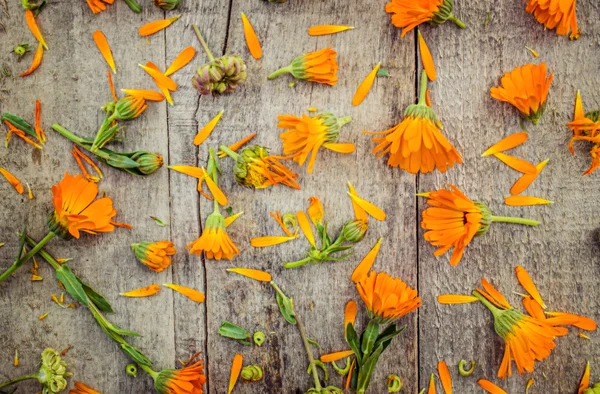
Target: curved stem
508,219
282,70
203,43
495,310
66,133
17,380
423,89
308,351
149,371
298,263
457,21
18,263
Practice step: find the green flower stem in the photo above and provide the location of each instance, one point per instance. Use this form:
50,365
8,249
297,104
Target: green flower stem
229,152
45,255
283,70
495,311
149,371
309,354
423,89
507,219
344,120
79,141
277,289
298,263
19,262
17,380
203,43
457,21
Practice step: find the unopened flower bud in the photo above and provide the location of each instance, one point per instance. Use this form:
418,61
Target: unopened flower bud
252,373
167,5
154,255
148,162
129,107
354,231
222,75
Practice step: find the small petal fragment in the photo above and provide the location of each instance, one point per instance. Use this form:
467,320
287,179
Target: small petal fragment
251,38
190,293
365,265
512,141
12,180
323,30
365,86
516,164
104,48
153,27
258,275
204,133
523,201
143,292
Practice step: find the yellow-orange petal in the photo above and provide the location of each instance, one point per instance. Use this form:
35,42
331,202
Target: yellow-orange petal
579,113
230,219
161,79
350,374
527,283
533,308
445,378
165,91
490,387
582,335
111,86
251,38
363,268
512,141
258,275
35,30
206,130
149,95
190,293
450,299
340,148
236,368
368,207
426,58
153,27
263,242
522,201
304,224
323,30
431,389
327,358
583,322
216,191
181,60
516,164
350,313
35,63
196,172
12,180
104,48
365,86
530,383
143,292
527,179
237,145
585,379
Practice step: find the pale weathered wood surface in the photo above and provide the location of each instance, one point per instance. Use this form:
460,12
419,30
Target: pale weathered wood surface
71,83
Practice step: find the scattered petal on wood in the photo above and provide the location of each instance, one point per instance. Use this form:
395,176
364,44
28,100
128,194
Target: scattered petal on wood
153,27
181,60
516,164
143,292
363,268
35,30
449,299
251,39
102,43
190,293
527,179
365,86
37,60
523,201
426,58
507,143
204,133
259,275
236,368
12,180
527,283
327,358
323,30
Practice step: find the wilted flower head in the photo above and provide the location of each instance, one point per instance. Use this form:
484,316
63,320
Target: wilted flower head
52,372
585,127
214,241
221,75
557,14
254,167
188,380
408,14
154,255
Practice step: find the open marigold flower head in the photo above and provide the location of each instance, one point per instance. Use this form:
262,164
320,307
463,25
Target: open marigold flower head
305,135
254,167
408,14
387,298
154,255
214,241
318,66
417,144
526,88
556,14
75,209
188,380
586,127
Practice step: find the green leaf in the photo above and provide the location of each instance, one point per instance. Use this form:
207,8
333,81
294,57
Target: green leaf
382,72
118,330
353,342
367,368
136,355
229,211
286,307
71,284
121,162
96,298
19,123
158,221
369,337
385,338
233,331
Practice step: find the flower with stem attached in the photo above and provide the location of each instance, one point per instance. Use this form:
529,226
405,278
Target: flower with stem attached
586,127
154,255
417,144
452,220
556,14
51,375
408,14
319,66
305,136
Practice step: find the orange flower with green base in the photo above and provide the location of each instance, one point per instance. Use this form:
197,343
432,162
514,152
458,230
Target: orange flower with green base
408,14
319,66
188,380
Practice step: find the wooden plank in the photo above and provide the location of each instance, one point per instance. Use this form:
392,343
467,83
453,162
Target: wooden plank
71,84
561,255
320,293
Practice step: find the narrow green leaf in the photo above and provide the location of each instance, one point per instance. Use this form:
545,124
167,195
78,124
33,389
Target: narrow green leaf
286,307
95,297
136,355
369,337
382,72
367,368
233,331
352,340
19,123
158,221
71,284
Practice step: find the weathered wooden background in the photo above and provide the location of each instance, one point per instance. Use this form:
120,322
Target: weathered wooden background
562,254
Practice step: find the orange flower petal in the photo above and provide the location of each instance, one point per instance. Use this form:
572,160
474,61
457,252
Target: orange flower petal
181,60
258,275
196,172
340,148
216,191
522,201
161,79
37,60
35,30
111,86
204,133
350,313
579,112
102,44
497,297
234,147
349,377
490,387
230,219
359,212
445,378
149,95
84,389
527,283
143,292
562,318
327,358
153,27
533,308
426,58
12,180
516,164
165,91
431,389
236,368
190,293
585,379
323,30
449,299
363,268
512,141
370,208
304,224
39,132
251,38
527,179
365,86
263,242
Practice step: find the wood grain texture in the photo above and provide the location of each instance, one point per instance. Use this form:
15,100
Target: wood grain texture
562,253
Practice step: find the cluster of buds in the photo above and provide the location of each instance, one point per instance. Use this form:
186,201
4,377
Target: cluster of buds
221,75
167,5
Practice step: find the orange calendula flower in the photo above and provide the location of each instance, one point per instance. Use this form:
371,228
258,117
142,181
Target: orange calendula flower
102,43
490,387
585,127
258,275
527,179
315,210
236,368
188,380
37,60
154,255
214,241
305,135
417,144
153,27
426,58
190,293
524,201
408,14
445,378
363,268
556,14
365,86
387,298
526,88
251,39
82,388
75,209
143,292
323,30
12,180
319,66
453,220
512,141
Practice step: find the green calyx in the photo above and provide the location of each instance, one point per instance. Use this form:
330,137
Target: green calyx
215,220
486,219
167,5
535,117
333,124
444,13
141,250
505,320
57,227
354,231
421,109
